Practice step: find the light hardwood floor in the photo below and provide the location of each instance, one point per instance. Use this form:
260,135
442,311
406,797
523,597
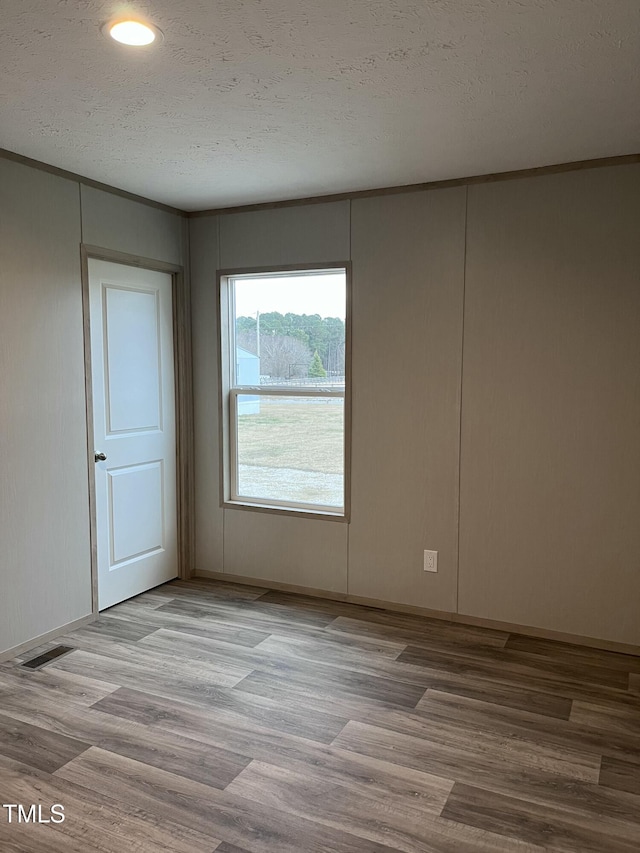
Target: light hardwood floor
206,716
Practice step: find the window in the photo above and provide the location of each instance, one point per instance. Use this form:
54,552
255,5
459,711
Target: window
284,337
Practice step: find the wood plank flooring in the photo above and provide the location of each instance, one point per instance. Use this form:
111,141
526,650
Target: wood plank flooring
204,716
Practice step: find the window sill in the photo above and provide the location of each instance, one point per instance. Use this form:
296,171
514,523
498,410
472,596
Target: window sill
274,509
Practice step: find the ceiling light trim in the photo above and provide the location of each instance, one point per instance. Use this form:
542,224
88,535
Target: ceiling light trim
108,27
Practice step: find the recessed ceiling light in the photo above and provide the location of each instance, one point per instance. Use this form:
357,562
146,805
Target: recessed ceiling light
134,33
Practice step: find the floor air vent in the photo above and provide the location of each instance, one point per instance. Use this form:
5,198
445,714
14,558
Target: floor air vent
47,657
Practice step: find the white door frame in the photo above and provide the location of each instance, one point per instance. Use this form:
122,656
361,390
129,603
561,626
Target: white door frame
183,396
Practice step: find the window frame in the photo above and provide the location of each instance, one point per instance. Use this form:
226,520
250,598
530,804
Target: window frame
229,392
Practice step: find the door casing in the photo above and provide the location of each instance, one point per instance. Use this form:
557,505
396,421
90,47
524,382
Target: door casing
183,398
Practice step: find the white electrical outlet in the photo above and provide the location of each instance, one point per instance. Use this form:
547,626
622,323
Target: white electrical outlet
431,561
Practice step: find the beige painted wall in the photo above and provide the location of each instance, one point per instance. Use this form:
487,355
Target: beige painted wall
209,516
550,368
408,277
550,499
286,235
113,222
44,516
44,513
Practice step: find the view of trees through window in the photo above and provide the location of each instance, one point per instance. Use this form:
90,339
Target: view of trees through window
294,345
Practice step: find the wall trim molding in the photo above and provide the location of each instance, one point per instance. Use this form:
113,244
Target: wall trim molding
443,615
8,654
551,169
536,171
88,182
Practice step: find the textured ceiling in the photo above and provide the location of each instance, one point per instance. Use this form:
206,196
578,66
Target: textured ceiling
261,100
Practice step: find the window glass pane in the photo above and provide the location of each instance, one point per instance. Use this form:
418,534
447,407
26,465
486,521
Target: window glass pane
290,329
291,449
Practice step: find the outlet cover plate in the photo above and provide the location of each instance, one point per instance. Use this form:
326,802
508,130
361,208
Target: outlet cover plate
431,561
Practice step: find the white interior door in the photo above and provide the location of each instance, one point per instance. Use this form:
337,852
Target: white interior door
134,428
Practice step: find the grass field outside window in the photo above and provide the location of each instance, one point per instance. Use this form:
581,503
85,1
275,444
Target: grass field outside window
293,450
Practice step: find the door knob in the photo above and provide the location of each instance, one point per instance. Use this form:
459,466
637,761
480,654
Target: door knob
100,457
